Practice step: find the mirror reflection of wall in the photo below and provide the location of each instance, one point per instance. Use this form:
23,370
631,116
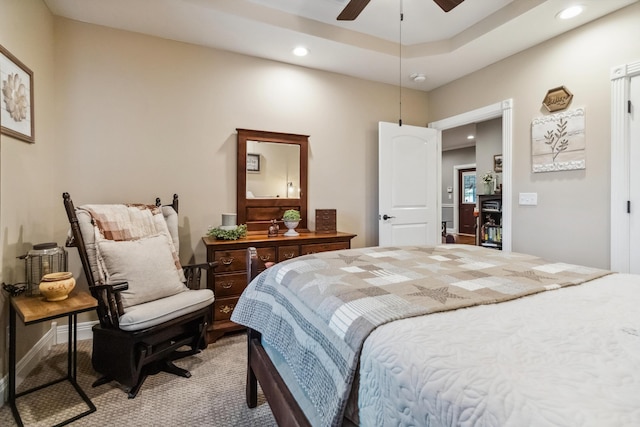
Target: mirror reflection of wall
279,174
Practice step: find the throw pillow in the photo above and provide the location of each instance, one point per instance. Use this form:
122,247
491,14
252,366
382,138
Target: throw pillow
147,264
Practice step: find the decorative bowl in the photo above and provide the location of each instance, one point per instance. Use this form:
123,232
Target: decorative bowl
291,225
57,286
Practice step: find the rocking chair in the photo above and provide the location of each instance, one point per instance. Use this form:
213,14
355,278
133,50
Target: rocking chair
148,305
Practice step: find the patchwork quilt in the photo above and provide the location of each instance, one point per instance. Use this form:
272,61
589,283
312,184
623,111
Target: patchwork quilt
317,310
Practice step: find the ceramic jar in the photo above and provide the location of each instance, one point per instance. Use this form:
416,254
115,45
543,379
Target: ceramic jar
57,286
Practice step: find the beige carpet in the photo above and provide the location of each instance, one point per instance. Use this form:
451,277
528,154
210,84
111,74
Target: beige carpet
213,396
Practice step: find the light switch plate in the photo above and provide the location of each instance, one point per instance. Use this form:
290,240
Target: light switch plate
528,199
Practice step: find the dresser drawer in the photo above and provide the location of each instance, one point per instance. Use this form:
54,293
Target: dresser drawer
236,260
265,254
326,227
231,260
323,247
288,252
229,284
223,307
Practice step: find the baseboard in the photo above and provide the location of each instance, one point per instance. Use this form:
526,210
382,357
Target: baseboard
84,332
55,335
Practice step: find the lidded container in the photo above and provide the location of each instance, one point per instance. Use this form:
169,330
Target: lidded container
44,258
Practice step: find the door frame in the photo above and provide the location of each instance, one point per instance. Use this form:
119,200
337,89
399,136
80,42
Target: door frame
456,197
620,183
502,109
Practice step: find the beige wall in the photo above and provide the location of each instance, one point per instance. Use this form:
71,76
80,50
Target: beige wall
141,117
571,221
27,171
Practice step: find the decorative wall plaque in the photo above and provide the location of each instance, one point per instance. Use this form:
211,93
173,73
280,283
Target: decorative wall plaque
558,142
557,99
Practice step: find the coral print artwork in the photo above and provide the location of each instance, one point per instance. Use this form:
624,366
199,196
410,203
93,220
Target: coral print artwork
558,142
16,97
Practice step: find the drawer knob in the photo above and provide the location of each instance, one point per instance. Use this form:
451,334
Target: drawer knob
227,261
226,285
226,309
289,255
265,258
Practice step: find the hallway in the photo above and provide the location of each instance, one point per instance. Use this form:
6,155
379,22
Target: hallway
465,239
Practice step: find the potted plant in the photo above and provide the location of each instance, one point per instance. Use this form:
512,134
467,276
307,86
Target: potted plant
487,178
291,218
228,234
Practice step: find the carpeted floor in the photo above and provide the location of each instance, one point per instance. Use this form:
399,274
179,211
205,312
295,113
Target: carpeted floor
213,396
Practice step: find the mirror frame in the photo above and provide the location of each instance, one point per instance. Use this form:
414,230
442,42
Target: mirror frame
258,213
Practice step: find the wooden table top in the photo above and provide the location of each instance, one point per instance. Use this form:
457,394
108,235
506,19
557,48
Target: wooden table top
36,308
303,237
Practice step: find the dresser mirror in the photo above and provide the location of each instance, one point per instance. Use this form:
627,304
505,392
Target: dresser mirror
273,170
271,178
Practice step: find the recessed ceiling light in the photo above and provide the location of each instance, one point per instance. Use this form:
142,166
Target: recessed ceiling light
570,12
300,51
418,77
470,137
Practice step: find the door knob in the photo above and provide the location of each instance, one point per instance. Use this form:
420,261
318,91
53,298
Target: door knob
386,217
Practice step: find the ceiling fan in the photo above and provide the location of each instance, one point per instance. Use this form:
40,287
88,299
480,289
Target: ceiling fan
353,9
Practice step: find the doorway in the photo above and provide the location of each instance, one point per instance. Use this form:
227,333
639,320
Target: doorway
625,152
502,109
466,201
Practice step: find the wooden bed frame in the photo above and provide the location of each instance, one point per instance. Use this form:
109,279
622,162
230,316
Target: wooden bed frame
261,370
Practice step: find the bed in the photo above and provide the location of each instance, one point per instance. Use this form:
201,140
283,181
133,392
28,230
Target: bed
443,336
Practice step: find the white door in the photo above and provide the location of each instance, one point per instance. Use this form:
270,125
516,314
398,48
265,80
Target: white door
634,176
409,162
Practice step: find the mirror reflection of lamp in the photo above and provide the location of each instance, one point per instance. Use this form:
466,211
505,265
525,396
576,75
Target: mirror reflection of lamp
290,188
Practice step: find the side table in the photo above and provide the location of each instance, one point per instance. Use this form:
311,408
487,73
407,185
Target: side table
36,309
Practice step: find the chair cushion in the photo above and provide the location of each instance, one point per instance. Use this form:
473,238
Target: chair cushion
147,264
153,313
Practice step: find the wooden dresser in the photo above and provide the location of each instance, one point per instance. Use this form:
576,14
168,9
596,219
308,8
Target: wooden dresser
229,279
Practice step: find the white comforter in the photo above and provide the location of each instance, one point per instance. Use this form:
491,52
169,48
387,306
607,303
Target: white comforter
569,357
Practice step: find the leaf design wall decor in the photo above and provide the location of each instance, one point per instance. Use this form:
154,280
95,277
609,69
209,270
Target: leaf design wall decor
558,141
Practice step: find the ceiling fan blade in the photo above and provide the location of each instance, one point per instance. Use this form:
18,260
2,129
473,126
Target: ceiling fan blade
352,10
448,5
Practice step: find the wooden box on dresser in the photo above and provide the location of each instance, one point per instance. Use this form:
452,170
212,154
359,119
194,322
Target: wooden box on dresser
229,279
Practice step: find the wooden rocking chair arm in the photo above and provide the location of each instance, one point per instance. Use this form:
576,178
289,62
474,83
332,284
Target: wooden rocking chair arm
203,265
113,287
193,272
110,302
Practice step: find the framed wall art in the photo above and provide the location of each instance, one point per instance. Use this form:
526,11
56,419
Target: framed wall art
253,162
16,98
558,141
497,163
